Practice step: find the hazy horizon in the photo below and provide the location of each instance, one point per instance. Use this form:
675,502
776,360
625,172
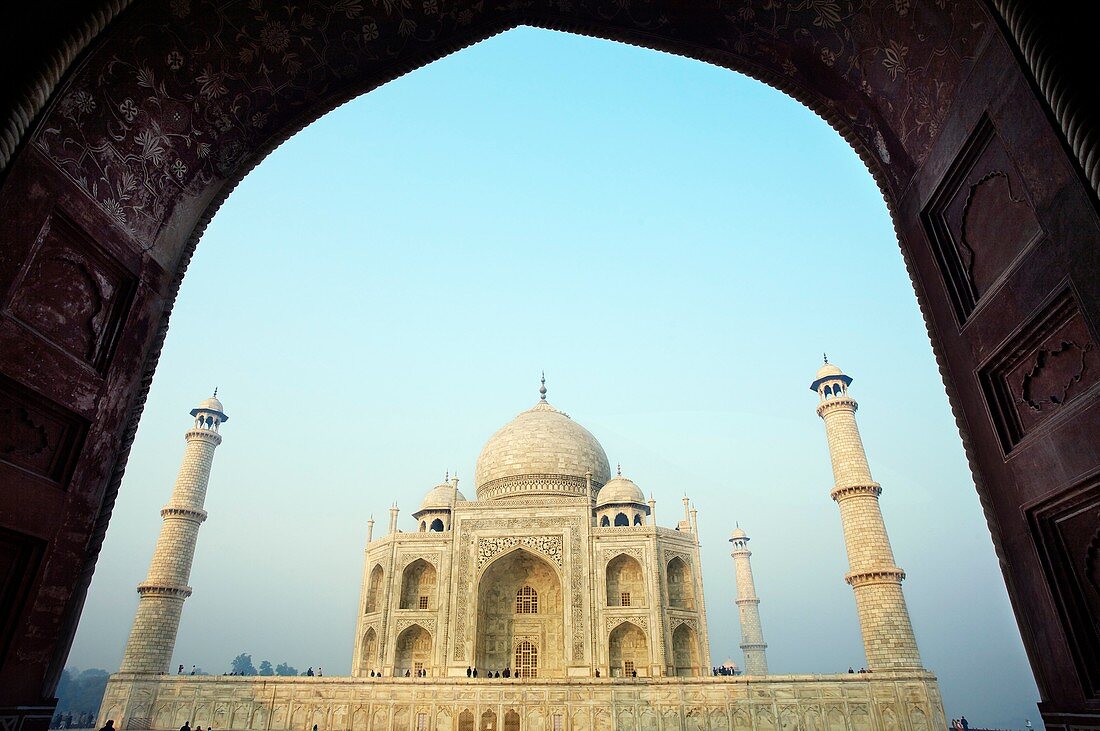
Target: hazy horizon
673,243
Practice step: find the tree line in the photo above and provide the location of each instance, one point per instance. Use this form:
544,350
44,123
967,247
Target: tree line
242,665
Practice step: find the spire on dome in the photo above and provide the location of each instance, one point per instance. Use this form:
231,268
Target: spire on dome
825,356
619,469
542,388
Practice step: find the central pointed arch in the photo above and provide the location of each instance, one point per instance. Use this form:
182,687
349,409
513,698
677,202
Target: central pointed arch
520,602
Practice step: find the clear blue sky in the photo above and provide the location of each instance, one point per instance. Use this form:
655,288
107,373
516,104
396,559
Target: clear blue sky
673,243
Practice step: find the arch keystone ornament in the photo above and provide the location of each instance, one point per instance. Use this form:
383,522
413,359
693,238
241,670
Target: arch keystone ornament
131,151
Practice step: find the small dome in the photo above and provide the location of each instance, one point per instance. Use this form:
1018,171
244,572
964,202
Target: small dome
620,490
828,372
211,404
540,452
738,533
439,497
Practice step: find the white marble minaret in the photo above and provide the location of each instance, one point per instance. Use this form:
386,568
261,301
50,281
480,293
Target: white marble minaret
153,636
748,607
883,617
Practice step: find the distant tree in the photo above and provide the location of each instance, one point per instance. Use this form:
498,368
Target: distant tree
81,692
242,664
266,669
284,669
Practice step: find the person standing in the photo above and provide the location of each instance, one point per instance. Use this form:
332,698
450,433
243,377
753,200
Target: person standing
965,723
110,725
186,726
469,671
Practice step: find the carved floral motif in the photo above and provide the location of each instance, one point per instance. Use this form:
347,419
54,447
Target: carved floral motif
182,96
490,548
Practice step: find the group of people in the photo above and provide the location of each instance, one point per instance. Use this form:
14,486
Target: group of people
961,724
69,720
860,671
185,727
723,671
471,672
310,673
194,669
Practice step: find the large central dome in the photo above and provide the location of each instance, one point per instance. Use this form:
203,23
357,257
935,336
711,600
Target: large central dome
540,452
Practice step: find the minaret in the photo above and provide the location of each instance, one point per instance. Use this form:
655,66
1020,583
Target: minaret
748,606
153,636
883,617
393,518
370,529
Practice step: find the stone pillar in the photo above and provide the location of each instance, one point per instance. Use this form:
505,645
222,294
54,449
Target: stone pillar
153,635
393,518
748,607
883,616
370,530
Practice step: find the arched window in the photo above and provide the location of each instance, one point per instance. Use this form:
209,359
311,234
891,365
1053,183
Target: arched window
527,660
418,584
374,590
436,526
621,519
681,588
637,518
527,601
604,522
828,392
423,526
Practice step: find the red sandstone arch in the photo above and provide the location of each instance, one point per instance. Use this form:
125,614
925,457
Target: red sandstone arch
113,165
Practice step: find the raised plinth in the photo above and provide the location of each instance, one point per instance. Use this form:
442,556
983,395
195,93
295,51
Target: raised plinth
865,701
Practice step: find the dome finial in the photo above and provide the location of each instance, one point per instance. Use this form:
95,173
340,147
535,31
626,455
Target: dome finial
542,388
825,356
446,476
619,469
215,391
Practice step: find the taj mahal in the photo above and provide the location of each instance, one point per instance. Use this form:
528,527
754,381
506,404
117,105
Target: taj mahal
553,600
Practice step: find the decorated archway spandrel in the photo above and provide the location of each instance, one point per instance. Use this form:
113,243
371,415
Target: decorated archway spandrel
189,95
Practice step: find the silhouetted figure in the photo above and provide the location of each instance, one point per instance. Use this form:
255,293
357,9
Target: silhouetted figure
965,723
633,673
507,672
597,672
408,674
186,726
319,674
469,671
475,672
850,669
192,669
309,672
110,725
180,671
